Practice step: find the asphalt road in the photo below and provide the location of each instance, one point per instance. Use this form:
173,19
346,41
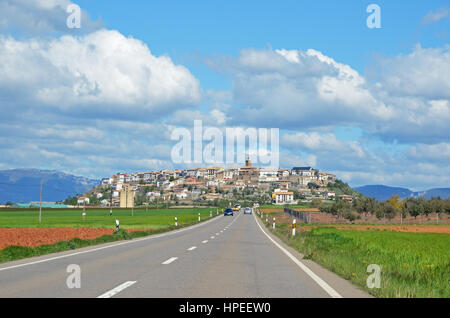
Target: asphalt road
224,257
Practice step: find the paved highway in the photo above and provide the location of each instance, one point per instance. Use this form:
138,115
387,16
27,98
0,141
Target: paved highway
224,257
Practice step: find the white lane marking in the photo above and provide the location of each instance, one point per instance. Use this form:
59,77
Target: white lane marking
205,241
170,260
217,234
192,248
310,273
212,237
116,290
150,237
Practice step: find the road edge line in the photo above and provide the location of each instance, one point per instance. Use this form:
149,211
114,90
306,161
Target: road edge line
330,290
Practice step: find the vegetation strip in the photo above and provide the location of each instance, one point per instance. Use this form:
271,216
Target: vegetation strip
412,264
13,253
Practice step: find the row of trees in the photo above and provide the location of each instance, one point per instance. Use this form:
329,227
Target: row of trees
389,209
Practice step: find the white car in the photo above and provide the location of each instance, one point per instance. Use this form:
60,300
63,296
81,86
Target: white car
247,211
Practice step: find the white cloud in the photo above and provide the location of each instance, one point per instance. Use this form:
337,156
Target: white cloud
289,89
422,73
406,98
321,143
41,17
437,152
435,16
103,72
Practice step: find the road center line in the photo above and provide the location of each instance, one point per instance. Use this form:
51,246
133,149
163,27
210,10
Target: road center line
205,241
170,260
192,248
116,290
212,237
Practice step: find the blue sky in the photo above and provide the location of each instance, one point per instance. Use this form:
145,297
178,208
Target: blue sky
188,29
371,105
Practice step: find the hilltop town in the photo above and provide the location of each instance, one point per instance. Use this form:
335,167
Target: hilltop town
209,186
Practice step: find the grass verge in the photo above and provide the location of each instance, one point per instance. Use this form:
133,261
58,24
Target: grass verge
412,264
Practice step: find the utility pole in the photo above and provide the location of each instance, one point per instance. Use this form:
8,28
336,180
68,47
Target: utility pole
126,198
111,201
40,204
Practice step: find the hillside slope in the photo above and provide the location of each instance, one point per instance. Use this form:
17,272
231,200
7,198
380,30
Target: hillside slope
23,185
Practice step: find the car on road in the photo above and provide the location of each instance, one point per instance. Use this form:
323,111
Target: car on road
247,211
237,207
228,212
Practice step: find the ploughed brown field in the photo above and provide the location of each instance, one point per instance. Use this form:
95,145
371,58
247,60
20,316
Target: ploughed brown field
274,210
32,237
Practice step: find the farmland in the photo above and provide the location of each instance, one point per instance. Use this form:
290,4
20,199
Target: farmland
412,264
21,234
99,218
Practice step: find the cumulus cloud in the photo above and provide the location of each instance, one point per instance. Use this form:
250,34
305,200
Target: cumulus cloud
435,153
419,74
406,99
435,16
93,104
292,89
103,73
417,87
320,143
38,17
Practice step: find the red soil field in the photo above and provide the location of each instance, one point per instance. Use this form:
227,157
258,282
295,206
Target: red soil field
281,210
32,237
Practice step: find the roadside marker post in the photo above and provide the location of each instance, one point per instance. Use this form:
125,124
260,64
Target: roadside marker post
274,223
210,214
293,226
217,211
176,221
199,216
117,225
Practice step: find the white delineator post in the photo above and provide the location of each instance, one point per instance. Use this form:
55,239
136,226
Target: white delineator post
274,223
117,225
176,221
199,217
294,221
210,214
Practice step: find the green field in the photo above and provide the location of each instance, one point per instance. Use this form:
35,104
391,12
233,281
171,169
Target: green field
99,218
412,264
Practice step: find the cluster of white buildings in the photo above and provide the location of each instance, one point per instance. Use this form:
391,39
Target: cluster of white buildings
212,183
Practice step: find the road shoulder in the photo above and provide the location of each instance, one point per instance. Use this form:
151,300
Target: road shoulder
341,285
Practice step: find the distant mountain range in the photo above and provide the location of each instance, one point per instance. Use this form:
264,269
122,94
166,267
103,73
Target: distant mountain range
382,192
23,185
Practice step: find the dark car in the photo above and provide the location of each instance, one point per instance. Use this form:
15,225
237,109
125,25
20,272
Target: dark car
228,212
